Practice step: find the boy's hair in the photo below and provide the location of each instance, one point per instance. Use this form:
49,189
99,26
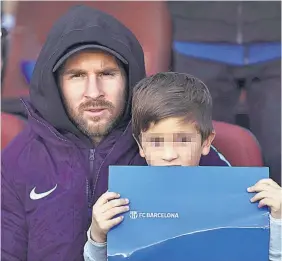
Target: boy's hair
171,94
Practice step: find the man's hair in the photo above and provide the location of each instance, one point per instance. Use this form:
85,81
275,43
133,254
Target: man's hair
171,94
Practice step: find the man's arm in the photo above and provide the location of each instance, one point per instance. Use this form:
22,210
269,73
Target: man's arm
13,223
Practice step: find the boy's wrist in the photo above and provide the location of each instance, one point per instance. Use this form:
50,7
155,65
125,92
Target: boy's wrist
275,219
93,241
276,215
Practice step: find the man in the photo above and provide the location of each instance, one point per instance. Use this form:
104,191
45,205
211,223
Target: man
79,124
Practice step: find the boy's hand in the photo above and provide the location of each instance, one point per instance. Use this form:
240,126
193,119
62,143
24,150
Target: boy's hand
107,206
269,194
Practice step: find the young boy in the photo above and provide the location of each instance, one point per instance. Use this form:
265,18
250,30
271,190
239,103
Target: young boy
172,124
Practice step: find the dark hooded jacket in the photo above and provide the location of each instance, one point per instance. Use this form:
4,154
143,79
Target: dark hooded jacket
51,173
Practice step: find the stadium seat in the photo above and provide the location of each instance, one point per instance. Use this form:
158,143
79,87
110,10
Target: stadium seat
11,126
237,144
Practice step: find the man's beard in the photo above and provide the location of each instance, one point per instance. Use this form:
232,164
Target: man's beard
91,127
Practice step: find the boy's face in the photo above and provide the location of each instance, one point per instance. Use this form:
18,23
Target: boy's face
172,142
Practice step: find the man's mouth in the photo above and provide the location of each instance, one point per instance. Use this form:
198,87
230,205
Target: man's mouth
99,111
96,109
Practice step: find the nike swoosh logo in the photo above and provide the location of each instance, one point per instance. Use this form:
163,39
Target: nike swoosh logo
34,196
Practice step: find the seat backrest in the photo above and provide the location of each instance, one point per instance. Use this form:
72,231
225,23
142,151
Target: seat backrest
149,21
11,126
237,144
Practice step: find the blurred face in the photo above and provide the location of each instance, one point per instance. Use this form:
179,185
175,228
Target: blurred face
94,90
172,142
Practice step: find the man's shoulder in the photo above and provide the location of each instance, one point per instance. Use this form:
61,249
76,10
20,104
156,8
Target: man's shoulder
214,158
18,147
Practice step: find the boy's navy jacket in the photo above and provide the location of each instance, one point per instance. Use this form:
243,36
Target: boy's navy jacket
189,214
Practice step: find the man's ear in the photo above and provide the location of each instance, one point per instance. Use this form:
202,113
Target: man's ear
207,143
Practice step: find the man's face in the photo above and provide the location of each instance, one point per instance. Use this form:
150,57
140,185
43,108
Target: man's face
93,87
172,142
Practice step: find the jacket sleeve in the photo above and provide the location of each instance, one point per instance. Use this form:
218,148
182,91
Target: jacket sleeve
275,249
13,223
94,251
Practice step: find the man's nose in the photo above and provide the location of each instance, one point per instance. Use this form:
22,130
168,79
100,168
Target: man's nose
93,87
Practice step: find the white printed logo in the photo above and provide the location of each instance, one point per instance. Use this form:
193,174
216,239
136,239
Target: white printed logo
34,196
135,215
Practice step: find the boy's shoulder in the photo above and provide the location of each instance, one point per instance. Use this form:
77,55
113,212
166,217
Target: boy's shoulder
214,158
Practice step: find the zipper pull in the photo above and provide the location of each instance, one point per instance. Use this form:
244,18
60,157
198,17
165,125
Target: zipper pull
92,154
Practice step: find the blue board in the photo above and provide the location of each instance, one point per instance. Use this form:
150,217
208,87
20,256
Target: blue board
189,214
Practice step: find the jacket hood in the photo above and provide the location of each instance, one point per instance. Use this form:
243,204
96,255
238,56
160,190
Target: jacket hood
81,25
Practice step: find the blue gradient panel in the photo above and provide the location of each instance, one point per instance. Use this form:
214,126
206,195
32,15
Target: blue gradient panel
189,214
27,68
233,54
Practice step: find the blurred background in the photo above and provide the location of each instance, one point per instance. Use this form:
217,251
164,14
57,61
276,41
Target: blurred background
234,47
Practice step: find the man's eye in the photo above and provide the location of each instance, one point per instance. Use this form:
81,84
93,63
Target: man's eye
111,74
77,75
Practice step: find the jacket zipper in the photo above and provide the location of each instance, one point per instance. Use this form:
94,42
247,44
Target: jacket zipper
89,191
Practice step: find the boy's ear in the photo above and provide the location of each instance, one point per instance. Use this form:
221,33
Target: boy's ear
141,151
207,144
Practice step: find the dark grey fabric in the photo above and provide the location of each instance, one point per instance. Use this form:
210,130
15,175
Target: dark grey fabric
226,21
264,106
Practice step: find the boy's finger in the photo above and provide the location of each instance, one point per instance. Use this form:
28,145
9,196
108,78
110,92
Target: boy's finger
114,203
113,222
115,211
266,202
270,182
259,196
106,197
259,188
